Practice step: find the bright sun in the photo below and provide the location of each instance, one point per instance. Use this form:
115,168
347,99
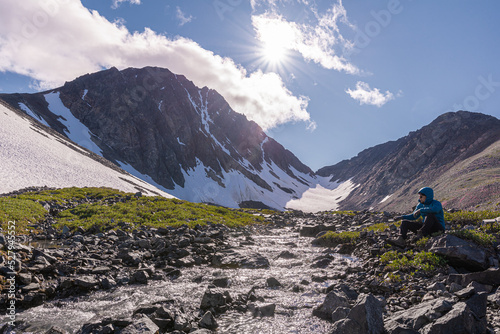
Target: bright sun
274,52
277,40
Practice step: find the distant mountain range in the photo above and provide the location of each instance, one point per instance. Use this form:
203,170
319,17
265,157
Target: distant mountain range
458,155
188,142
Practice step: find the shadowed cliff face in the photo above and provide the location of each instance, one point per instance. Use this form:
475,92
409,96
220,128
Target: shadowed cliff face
445,154
165,128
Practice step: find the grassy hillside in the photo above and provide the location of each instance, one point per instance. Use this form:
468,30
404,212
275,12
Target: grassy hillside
107,208
472,184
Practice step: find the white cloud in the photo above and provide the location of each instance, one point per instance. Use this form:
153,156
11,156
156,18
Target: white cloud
318,43
117,3
183,19
54,41
366,95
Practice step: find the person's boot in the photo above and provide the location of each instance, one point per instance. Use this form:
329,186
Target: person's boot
399,242
417,237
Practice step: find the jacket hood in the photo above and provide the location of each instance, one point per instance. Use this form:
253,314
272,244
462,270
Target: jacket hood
429,194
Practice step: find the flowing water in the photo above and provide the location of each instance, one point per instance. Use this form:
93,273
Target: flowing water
293,312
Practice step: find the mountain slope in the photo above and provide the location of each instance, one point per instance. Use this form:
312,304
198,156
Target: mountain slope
32,154
457,154
162,128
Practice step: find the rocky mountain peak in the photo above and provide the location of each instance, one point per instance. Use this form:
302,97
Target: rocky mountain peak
389,174
159,126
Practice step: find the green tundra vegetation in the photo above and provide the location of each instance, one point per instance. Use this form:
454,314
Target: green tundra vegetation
106,208
411,262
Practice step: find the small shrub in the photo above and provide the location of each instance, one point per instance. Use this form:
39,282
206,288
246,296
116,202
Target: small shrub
422,241
478,237
346,213
425,262
340,237
470,217
380,227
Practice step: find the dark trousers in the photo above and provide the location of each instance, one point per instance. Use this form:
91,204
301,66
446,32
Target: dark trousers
429,226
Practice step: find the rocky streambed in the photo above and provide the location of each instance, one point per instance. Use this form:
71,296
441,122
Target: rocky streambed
272,278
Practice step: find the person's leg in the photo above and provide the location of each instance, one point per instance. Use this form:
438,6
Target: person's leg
409,225
431,225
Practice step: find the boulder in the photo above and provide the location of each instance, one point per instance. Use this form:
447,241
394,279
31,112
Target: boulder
56,330
86,282
487,277
267,310
273,282
222,282
364,318
208,321
215,298
478,303
418,316
287,255
460,320
140,277
312,231
332,301
143,325
340,313
459,252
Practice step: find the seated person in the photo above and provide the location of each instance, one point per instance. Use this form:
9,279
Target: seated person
432,212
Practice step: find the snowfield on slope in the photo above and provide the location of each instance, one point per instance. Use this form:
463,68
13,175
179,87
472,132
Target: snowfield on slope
30,156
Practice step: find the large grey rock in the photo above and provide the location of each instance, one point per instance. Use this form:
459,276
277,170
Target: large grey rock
460,320
86,282
208,321
478,303
488,277
140,277
332,301
418,316
215,298
143,325
364,318
312,231
459,252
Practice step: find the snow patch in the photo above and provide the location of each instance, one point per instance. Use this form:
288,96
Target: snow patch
30,158
180,143
32,114
85,94
76,131
325,196
385,198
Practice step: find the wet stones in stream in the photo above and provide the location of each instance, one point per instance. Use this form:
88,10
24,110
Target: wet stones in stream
349,296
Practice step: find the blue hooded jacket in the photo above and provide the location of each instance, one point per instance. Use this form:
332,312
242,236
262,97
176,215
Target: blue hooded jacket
429,206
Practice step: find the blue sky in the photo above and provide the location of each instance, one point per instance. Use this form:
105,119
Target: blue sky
326,79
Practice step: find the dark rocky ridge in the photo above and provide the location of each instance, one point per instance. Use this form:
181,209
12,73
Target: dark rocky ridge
162,124
421,159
